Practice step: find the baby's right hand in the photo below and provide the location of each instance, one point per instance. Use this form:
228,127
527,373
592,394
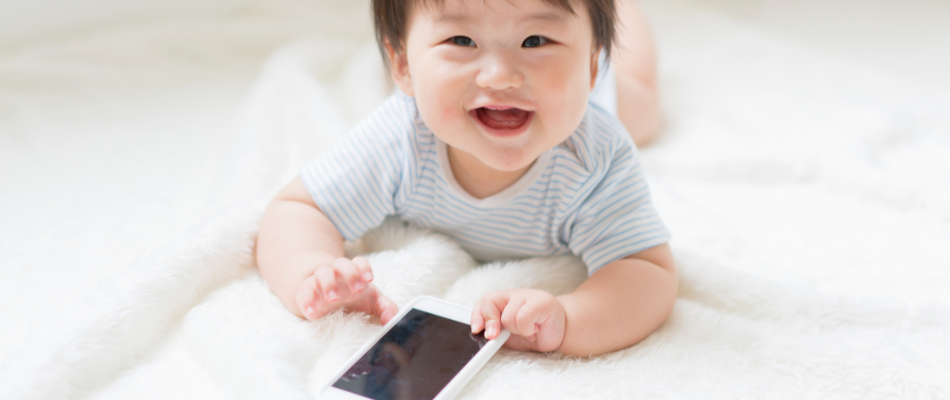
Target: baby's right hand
346,284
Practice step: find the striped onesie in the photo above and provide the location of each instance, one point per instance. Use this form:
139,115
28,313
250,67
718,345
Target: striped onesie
587,196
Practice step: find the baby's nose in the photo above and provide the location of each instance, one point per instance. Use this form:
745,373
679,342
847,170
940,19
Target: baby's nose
499,73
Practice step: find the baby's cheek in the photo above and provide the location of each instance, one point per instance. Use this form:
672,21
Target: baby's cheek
437,111
440,104
565,97
449,114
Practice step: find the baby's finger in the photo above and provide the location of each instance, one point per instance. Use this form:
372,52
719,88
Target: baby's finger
326,283
363,266
478,323
306,297
491,306
527,320
345,268
386,308
509,317
492,329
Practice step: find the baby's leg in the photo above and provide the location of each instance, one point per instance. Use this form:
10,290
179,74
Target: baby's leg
634,60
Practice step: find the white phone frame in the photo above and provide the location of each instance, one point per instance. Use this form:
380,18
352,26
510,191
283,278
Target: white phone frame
434,306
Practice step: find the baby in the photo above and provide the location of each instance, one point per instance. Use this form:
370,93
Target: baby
493,142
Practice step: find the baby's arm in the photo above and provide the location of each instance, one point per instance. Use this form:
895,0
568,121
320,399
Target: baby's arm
618,306
300,255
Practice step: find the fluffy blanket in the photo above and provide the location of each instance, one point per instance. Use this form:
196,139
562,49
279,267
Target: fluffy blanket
809,199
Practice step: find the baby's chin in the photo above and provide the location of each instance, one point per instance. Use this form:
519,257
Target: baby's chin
510,159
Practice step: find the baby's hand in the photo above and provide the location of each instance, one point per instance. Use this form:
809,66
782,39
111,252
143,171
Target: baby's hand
535,318
344,283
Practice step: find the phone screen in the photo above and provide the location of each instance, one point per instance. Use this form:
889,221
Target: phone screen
414,360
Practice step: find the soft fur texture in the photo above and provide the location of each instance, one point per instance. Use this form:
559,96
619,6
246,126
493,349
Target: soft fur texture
808,199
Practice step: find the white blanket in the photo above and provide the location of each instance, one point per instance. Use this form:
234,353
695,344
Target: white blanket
809,199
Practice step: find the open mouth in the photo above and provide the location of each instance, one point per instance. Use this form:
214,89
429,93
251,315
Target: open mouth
502,119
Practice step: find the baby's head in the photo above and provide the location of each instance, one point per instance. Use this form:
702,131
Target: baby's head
502,80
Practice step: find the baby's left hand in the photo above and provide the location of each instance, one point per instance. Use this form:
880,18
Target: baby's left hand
535,318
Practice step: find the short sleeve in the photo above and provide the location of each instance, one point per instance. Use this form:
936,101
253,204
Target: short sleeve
617,218
356,182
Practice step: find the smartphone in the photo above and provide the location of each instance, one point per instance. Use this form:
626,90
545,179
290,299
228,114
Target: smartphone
426,352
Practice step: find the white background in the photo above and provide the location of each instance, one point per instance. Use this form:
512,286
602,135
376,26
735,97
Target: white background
910,38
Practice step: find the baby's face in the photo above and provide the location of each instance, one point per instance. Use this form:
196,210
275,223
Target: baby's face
502,80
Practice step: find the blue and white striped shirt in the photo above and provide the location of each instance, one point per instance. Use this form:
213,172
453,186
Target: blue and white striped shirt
587,196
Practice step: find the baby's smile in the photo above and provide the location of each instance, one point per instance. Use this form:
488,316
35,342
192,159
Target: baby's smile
502,81
502,121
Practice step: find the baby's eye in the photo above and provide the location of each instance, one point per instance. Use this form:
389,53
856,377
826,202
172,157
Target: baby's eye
463,41
534,41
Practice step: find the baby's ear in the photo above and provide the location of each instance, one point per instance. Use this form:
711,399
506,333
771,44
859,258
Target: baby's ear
594,66
399,69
